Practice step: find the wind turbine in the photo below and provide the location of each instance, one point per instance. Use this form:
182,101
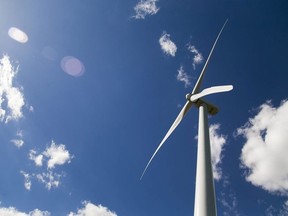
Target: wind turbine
204,204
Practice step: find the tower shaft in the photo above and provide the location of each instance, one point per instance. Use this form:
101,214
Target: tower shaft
205,204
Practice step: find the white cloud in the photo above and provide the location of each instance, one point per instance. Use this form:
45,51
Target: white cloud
27,180
11,211
38,159
264,153
49,179
90,209
57,154
183,77
144,8
12,96
198,58
31,109
17,142
217,142
54,155
167,45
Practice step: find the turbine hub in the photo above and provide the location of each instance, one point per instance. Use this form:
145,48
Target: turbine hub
188,96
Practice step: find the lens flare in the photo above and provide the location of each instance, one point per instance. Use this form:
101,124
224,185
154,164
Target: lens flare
72,66
18,35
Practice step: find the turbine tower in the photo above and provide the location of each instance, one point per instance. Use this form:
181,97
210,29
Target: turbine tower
205,204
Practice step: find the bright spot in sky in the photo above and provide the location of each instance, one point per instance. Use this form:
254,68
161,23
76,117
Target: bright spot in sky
72,66
18,35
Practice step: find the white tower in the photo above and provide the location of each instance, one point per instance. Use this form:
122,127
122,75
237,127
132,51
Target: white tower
205,202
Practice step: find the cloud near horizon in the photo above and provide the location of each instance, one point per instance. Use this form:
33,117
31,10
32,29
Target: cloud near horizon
88,209
144,8
264,153
91,209
167,45
12,211
11,95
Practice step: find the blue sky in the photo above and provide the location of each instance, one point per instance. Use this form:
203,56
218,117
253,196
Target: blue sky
88,89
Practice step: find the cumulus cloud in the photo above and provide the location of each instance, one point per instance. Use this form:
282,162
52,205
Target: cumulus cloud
90,209
38,159
183,77
217,142
12,211
144,8
57,155
264,153
197,58
11,95
168,46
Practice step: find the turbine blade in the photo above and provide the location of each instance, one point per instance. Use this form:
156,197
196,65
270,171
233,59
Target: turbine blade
199,81
211,90
179,118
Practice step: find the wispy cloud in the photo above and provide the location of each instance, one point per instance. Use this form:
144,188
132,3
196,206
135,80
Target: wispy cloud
144,8
228,198
12,211
168,46
197,58
264,153
12,95
280,211
92,209
230,204
183,77
49,179
18,142
27,180
217,142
